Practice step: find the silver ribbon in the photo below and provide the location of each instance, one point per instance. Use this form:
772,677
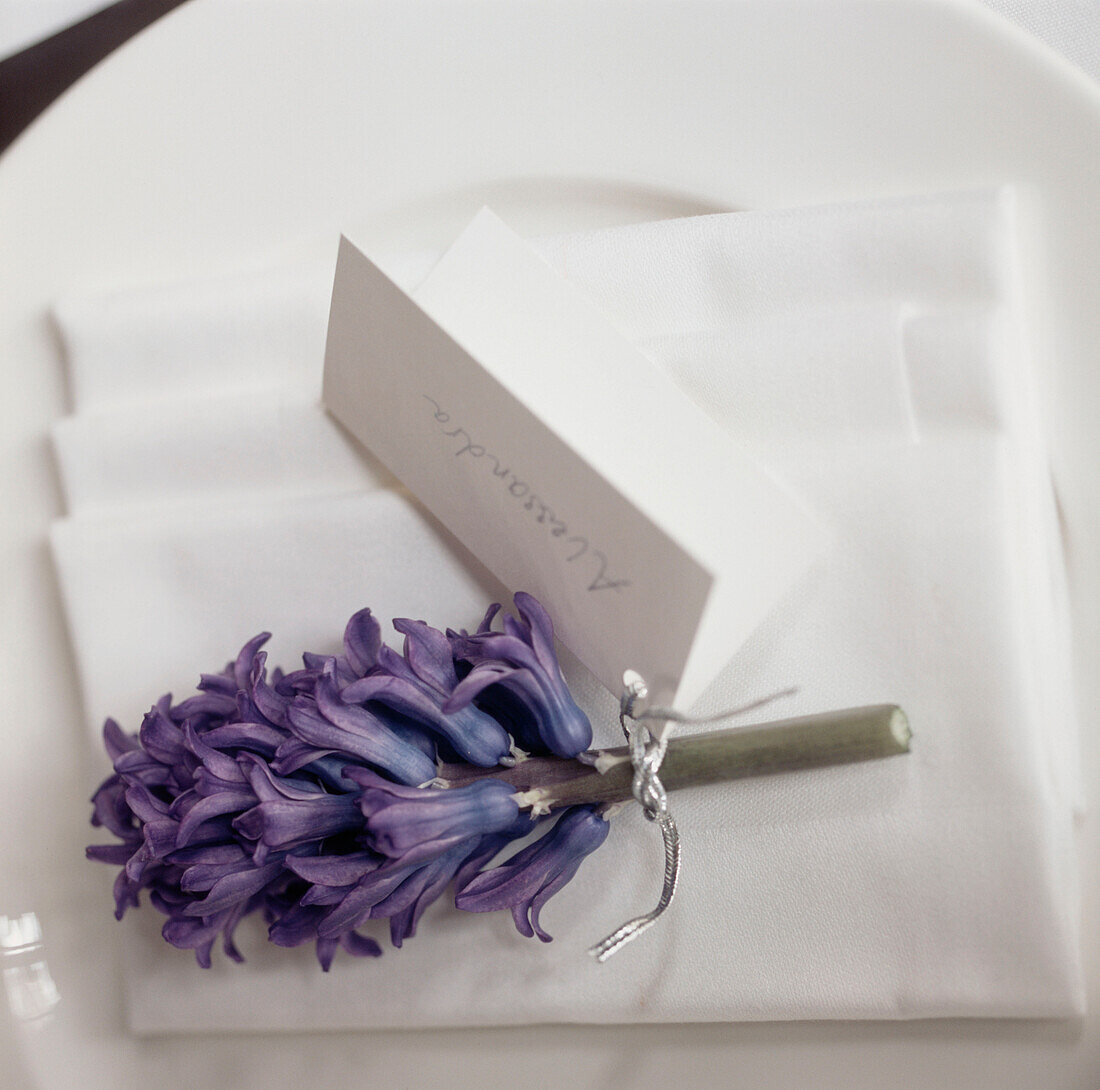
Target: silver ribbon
647,751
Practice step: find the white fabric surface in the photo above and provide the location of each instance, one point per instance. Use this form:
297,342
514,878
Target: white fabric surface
1069,27
224,335
278,439
206,447
937,884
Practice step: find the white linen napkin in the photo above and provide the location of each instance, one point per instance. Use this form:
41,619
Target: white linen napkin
275,439
270,442
225,334
936,884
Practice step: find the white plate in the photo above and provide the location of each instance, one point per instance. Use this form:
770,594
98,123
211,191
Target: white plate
231,129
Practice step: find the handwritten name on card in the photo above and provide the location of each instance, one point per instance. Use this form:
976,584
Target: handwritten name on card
563,458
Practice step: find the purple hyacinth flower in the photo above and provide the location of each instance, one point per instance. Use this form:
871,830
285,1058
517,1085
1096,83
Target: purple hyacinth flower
274,794
111,811
533,875
298,925
415,824
522,661
292,811
350,906
190,933
325,723
362,643
420,685
406,904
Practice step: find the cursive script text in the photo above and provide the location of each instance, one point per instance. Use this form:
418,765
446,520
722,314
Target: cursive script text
575,547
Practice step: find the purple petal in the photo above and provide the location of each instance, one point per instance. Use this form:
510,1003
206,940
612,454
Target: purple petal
160,837
287,823
487,621
205,784
137,863
225,802
197,935
203,876
326,951
477,680
242,668
218,683
417,824
534,874
161,738
562,879
331,724
112,810
428,652
333,870
125,894
406,904
360,946
354,909
225,768
268,702
227,892
145,804
475,736
271,788
118,854
214,705
116,741
256,737
297,756
362,641
210,853
294,754
492,845
318,895
397,693
138,767
234,918
298,681
297,926
496,647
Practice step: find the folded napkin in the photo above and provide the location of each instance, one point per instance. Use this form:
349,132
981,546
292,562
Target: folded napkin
270,442
276,439
938,884
226,334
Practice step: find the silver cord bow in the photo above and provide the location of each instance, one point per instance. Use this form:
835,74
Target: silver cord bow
647,750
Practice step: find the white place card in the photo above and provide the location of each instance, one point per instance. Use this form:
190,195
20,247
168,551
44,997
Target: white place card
564,459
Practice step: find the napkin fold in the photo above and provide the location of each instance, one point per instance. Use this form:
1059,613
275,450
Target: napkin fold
202,448
201,445
868,353
226,334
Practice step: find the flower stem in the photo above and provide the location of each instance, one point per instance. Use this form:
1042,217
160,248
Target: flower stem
785,745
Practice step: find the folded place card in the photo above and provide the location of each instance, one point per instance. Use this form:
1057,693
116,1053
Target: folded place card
564,459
